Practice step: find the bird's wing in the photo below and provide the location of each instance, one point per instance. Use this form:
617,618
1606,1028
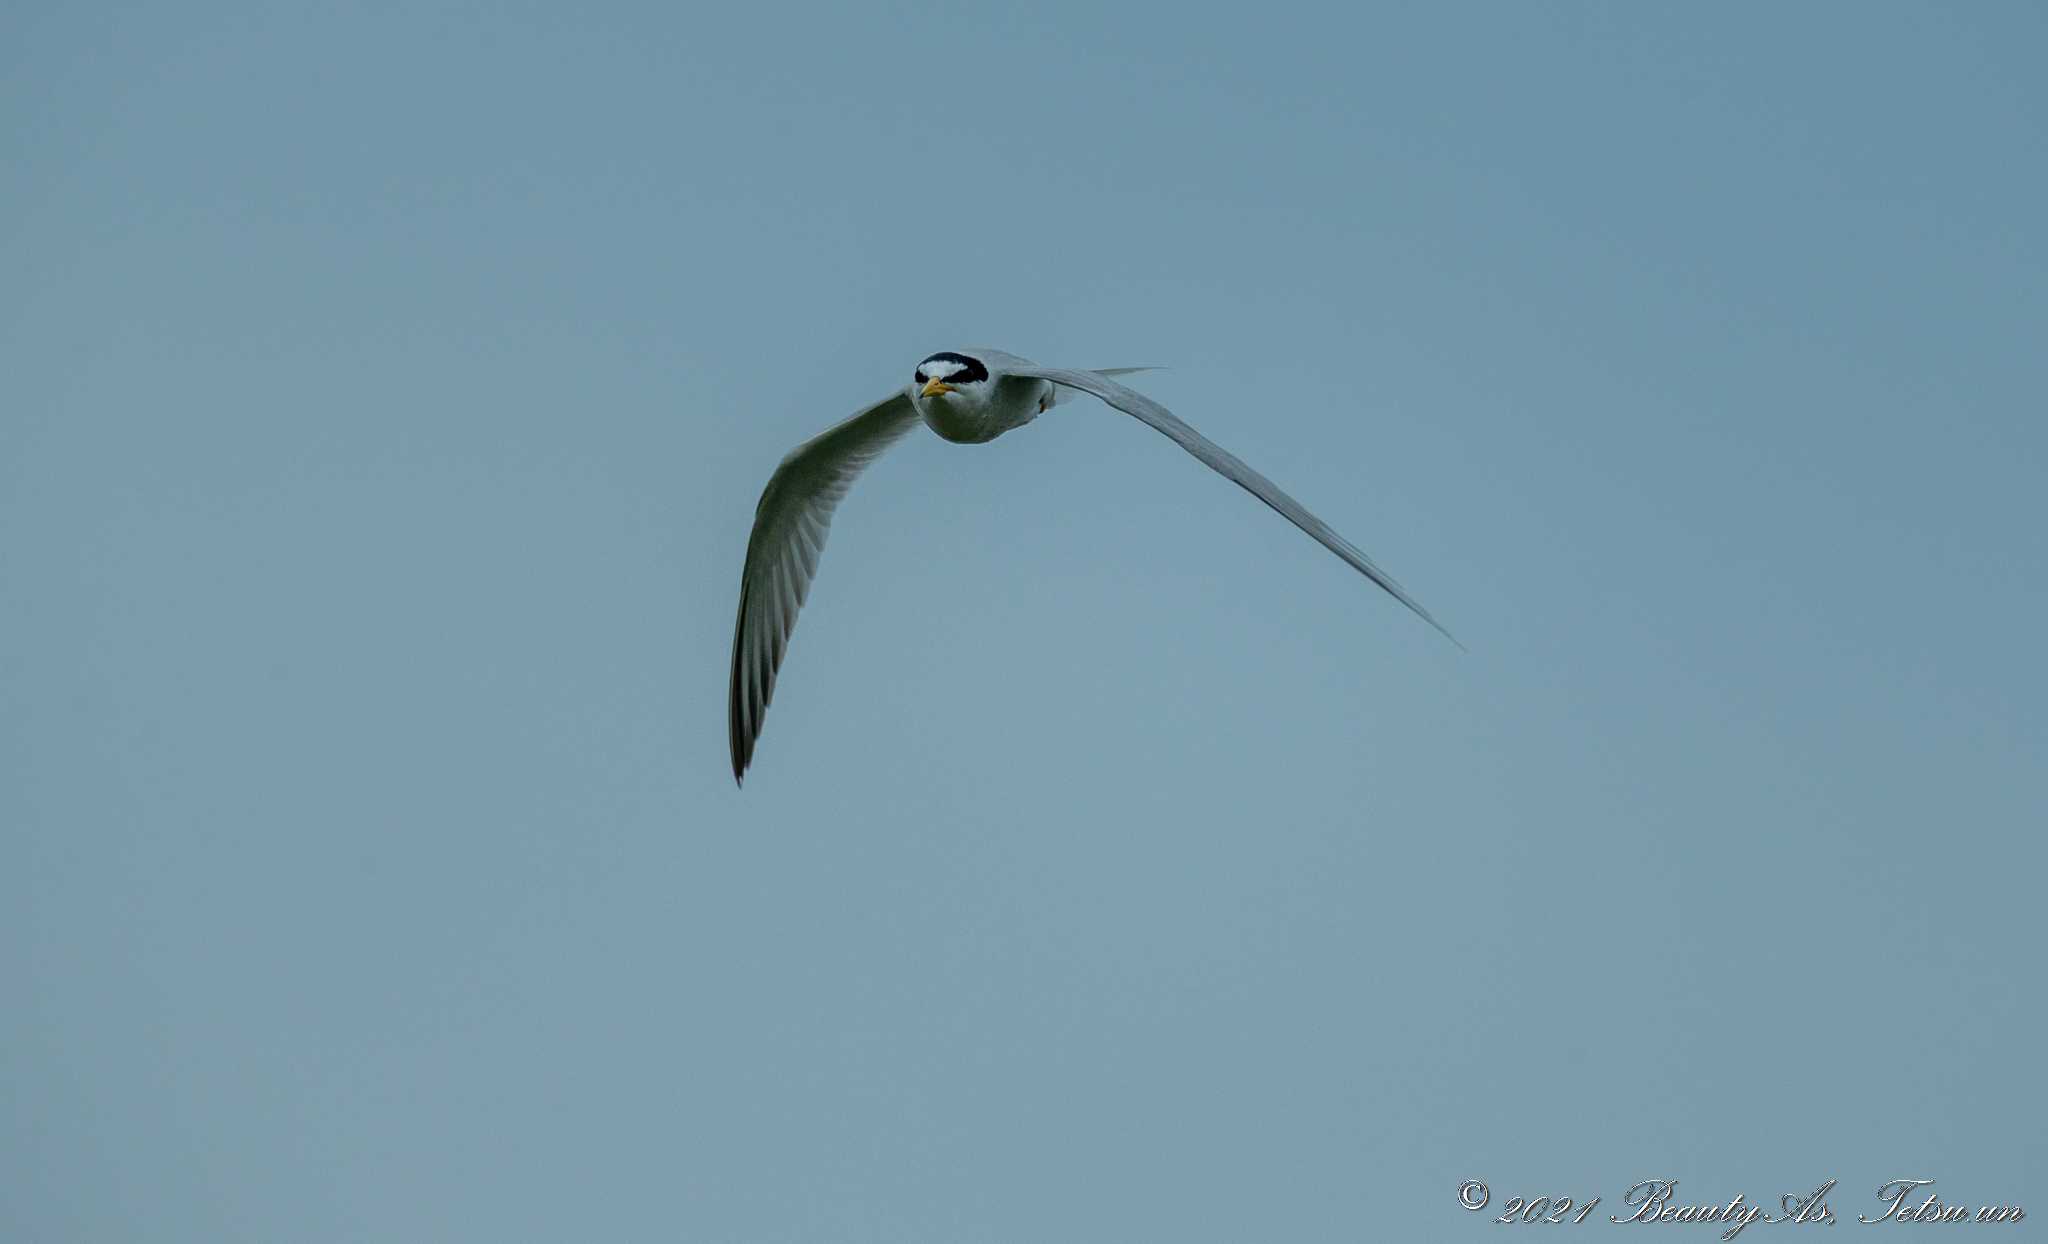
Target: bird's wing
790,526
1229,466
1061,396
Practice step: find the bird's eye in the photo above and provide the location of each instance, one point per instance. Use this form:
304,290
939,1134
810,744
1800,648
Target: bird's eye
919,377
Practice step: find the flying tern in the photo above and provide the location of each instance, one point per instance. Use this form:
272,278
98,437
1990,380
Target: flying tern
968,397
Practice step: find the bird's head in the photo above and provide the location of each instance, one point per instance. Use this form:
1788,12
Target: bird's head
951,378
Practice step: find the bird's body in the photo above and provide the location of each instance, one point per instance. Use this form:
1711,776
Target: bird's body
968,398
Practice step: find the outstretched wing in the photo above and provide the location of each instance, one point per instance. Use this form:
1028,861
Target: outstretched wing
1062,395
1228,465
790,526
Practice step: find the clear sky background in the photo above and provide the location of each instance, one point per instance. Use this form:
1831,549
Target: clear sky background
385,392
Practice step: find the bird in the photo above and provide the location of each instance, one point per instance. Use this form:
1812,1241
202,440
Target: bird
968,397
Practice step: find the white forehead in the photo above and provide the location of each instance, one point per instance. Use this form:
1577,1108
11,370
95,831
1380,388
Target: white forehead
939,369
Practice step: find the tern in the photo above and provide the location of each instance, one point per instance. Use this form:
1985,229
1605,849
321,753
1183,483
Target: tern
968,397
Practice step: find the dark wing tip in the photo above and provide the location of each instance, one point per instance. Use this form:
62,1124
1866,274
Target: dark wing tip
735,723
741,738
1416,608
1428,617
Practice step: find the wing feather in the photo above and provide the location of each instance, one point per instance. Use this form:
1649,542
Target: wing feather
790,527
1228,465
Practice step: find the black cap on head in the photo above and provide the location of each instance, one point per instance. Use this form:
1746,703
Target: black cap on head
951,368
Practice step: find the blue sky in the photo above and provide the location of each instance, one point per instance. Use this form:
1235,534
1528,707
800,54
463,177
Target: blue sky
384,396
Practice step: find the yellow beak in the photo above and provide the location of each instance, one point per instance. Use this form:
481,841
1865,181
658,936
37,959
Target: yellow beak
932,388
